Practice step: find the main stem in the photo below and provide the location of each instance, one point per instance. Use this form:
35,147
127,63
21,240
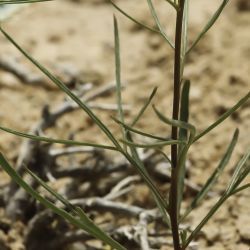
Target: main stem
173,200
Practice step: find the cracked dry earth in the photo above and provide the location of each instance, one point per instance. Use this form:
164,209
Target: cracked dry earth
76,38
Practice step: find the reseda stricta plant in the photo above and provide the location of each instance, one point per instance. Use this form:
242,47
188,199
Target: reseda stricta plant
183,136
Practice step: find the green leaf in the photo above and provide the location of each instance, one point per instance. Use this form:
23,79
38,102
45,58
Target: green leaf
65,89
241,171
144,107
172,3
184,35
118,70
180,170
109,134
215,175
51,191
159,25
118,76
204,221
232,189
59,141
89,227
157,144
184,109
129,128
177,123
209,24
224,116
93,229
165,156
133,19
237,190
138,164
21,1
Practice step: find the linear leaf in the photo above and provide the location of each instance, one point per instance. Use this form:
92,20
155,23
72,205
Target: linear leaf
157,144
204,221
137,131
64,88
184,35
237,190
51,191
96,120
133,19
224,116
184,109
165,156
158,23
240,172
59,141
177,123
160,201
91,228
172,3
215,175
209,24
21,1
118,77
232,189
144,107
139,165
118,70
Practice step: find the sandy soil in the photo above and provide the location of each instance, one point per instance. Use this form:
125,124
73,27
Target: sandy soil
78,36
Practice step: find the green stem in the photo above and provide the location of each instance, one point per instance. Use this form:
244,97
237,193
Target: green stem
173,200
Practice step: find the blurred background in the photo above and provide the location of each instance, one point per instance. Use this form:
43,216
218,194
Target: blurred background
74,39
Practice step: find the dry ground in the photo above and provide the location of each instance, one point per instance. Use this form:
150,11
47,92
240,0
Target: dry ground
76,38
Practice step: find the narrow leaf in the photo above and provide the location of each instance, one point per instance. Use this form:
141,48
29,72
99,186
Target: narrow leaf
51,191
21,1
90,228
215,175
139,165
129,128
230,191
144,107
118,76
153,188
174,4
239,173
184,109
224,116
157,144
204,221
159,25
184,35
59,141
177,123
133,19
65,89
209,24
240,189
160,201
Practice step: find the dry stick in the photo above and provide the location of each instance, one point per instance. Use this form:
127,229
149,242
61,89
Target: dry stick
143,234
173,200
29,148
122,187
24,75
112,206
